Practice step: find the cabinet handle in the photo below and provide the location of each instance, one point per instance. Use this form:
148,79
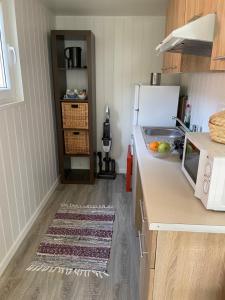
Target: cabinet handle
142,252
74,106
219,58
140,244
142,212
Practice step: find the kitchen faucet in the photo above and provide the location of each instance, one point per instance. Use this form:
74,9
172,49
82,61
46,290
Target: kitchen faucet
183,126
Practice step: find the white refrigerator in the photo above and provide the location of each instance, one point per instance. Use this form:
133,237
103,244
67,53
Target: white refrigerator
155,105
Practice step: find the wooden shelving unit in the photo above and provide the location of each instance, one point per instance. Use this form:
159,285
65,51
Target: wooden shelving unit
59,40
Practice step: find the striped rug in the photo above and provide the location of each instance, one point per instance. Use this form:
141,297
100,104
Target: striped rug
77,242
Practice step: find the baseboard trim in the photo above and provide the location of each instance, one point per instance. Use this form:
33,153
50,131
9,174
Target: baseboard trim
24,232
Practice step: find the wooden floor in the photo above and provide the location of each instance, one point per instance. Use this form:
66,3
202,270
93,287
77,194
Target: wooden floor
16,283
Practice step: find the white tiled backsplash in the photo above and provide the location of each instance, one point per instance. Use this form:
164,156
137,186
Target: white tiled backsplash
206,93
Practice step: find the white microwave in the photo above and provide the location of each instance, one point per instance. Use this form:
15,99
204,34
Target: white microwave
204,166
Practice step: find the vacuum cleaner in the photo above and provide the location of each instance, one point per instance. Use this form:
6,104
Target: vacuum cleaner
108,171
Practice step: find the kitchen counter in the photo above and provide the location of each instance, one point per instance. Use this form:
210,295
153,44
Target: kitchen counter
169,199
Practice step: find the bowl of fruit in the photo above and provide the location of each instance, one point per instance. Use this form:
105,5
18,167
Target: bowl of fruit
161,149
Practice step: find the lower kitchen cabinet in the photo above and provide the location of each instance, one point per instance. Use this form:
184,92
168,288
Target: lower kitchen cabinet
182,265
189,266
147,242
139,217
177,265
146,280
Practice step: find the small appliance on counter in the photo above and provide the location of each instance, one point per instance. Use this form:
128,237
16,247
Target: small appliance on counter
204,166
73,57
187,115
155,79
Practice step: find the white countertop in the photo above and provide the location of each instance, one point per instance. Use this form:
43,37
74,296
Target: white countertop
169,198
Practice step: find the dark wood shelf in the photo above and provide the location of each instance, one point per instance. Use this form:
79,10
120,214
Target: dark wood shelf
77,155
74,100
66,161
76,176
71,69
75,129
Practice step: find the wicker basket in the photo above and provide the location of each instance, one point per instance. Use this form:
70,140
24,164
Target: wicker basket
218,119
217,127
75,115
76,142
217,133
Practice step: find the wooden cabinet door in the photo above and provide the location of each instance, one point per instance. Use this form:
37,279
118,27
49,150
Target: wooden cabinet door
175,19
167,62
190,266
146,286
176,12
218,53
138,201
144,278
199,8
147,263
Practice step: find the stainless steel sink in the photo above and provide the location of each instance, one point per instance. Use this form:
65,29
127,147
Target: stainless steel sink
171,132
162,133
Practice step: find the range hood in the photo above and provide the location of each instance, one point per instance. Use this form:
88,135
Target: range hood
194,38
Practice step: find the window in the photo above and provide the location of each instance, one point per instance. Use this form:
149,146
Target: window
3,81
11,88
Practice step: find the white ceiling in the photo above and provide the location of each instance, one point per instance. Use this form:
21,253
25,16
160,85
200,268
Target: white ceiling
107,7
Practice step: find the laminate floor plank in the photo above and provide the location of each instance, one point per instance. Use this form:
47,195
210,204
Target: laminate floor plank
18,284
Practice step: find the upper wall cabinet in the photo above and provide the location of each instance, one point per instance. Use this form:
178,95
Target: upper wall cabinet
181,12
172,61
218,54
199,8
176,14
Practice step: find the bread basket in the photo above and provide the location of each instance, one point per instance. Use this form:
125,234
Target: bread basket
217,127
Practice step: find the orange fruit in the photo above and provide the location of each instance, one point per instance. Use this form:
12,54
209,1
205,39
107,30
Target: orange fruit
153,146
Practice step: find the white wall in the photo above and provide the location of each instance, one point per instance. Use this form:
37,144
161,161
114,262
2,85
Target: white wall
125,55
28,169
206,92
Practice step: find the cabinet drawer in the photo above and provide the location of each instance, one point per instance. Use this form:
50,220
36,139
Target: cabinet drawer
149,240
138,194
146,280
